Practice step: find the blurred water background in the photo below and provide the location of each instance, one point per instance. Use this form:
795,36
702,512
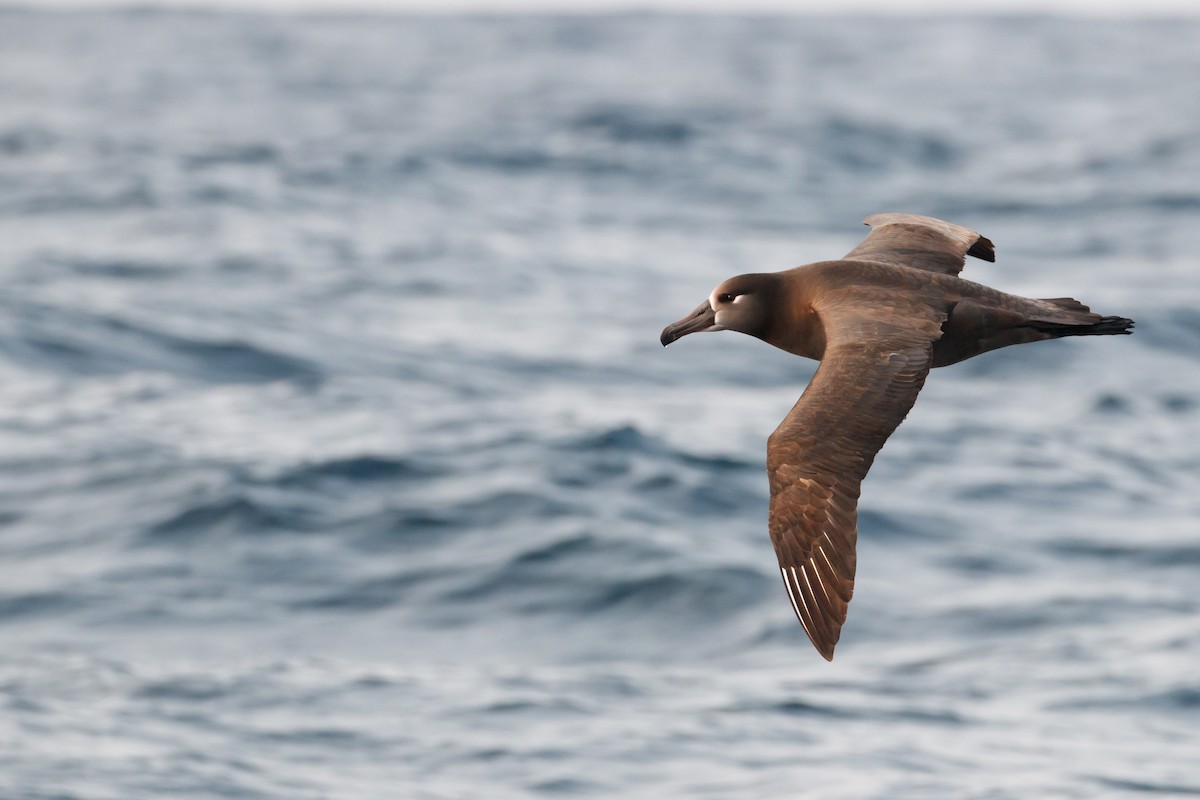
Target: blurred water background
339,457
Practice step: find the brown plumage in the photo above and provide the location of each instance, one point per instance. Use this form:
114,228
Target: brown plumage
877,320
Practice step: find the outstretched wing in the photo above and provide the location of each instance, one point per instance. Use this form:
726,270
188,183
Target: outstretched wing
909,240
819,454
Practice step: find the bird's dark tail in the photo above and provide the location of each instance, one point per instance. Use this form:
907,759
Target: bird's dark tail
1095,326
1107,326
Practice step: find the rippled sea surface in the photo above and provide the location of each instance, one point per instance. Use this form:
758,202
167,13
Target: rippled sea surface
339,457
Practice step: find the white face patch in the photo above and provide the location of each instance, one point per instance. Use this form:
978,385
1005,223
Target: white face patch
713,302
721,309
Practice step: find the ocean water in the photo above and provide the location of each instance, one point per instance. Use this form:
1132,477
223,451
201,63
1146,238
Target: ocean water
339,457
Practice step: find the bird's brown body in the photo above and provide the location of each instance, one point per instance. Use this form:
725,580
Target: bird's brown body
976,318
878,320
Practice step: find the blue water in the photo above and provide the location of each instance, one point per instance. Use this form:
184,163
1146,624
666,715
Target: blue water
339,457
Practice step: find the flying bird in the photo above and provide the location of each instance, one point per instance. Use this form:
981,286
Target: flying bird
877,319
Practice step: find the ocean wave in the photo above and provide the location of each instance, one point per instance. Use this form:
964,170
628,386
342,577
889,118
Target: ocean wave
228,515
1183,555
629,124
124,269
72,200
247,154
21,605
874,146
525,159
577,577
370,594
26,140
80,342
358,469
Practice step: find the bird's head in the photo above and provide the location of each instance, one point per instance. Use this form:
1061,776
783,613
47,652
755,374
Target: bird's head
738,304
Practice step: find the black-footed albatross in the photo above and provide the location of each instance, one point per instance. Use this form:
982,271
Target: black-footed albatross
877,320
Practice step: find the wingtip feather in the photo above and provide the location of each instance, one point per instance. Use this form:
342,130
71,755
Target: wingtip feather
983,248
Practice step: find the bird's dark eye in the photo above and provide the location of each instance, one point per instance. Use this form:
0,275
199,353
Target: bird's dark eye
725,298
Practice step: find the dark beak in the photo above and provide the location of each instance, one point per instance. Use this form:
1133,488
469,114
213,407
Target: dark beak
702,319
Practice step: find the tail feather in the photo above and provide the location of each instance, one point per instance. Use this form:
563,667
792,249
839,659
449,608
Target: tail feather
1067,303
1104,326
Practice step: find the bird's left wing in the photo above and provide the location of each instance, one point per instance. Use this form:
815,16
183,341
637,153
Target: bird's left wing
818,456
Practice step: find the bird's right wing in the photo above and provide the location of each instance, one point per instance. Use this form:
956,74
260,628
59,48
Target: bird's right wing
818,456
909,240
